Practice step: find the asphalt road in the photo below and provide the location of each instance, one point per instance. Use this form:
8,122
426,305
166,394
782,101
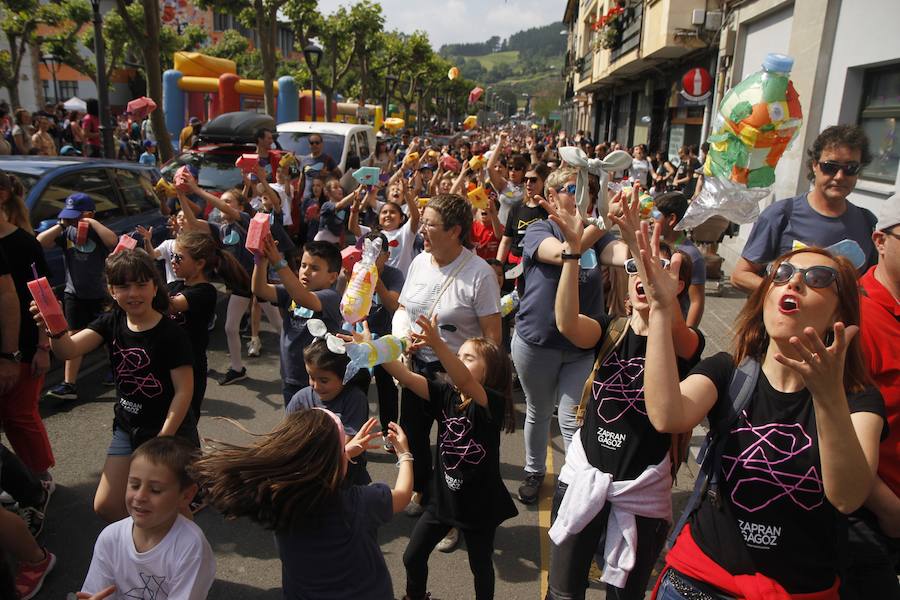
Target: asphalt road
247,562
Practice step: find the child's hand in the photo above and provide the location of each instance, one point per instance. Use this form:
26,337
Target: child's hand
36,315
147,234
98,596
362,441
397,437
361,337
270,250
429,336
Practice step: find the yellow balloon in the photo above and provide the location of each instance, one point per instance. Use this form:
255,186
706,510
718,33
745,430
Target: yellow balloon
453,73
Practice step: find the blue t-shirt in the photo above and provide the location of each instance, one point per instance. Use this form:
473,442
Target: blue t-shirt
148,158
312,166
380,317
536,321
351,405
792,219
85,264
333,220
335,555
234,238
294,334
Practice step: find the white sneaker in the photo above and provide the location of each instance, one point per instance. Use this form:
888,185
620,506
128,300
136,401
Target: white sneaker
414,509
450,541
254,346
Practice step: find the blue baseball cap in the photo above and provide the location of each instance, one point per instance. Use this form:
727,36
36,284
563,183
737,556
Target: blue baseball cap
75,205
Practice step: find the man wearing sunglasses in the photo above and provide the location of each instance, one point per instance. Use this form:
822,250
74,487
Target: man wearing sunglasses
316,164
821,217
510,188
874,532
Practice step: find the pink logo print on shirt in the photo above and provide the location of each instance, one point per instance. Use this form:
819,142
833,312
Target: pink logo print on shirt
457,446
129,372
616,394
760,478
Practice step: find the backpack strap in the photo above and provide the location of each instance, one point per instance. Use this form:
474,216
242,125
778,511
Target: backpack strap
743,383
615,333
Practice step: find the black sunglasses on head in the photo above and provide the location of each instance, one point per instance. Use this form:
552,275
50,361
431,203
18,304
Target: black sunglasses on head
818,276
831,168
531,180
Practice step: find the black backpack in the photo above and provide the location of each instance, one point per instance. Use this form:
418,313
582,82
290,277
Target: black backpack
743,383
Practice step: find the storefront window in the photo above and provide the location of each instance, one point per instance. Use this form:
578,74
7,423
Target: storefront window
879,119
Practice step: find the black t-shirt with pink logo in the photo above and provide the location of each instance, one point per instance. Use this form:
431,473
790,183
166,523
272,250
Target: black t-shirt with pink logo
469,492
617,435
142,362
774,517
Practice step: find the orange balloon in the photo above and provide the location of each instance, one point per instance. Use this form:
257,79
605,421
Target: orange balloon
453,73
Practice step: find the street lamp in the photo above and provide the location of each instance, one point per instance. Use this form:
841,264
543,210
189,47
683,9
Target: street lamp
106,132
313,55
390,84
52,65
527,104
420,89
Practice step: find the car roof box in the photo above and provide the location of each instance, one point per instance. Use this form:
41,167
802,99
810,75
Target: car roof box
236,127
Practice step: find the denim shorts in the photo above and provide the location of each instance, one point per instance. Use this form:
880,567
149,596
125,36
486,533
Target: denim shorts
120,444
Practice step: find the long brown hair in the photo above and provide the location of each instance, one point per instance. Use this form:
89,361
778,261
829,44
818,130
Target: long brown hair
201,246
751,338
14,208
497,373
292,475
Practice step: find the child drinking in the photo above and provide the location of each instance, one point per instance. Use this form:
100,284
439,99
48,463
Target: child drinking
293,482
151,359
469,491
155,552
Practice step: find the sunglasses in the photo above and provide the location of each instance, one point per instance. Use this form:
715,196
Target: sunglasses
531,180
315,143
632,269
568,189
517,168
177,258
831,168
815,277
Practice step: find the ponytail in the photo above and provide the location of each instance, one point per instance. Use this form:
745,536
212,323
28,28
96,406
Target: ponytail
230,270
202,246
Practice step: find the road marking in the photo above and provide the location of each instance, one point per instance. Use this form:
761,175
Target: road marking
545,504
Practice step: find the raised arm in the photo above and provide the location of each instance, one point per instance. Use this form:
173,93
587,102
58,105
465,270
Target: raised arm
107,235
47,238
259,283
402,492
295,288
459,373
68,346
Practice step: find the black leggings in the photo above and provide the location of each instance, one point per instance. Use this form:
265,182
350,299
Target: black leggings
872,558
417,423
388,408
18,481
425,536
570,562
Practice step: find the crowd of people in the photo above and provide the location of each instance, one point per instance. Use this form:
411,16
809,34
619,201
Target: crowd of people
493,275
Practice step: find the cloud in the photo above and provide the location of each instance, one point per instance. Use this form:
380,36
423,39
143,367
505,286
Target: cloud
462,21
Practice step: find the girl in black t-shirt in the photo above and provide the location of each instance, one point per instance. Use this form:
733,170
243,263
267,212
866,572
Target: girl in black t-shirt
799,456
151,361
469,493
192,299
616,456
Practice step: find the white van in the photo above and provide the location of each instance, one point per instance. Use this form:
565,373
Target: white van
350,145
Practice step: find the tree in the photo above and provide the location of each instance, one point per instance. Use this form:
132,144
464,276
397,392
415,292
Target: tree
19,22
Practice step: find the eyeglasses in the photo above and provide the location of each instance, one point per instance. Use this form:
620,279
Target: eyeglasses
632,269
514,168
432,226
531,180
831,168
818,276
567,189
177,258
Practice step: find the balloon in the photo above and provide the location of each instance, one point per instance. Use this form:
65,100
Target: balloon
475,94
394,124
470,122
453,73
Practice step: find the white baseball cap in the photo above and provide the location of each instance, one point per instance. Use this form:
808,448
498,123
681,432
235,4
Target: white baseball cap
889,215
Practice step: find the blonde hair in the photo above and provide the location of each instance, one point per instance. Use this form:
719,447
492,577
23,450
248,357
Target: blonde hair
558,177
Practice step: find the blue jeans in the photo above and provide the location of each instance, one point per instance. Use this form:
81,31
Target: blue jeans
549,377
667,591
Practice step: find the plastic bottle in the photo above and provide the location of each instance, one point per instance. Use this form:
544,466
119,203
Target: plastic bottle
377,352
357,300
509,303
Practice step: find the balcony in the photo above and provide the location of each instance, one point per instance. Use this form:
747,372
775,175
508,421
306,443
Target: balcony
629,36
586,68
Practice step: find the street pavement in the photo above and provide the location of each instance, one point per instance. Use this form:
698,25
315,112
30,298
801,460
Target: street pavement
247,562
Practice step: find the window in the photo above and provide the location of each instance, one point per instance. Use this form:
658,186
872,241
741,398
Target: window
285,41
93,182
363,144
221,21
878,118
67,89
137,192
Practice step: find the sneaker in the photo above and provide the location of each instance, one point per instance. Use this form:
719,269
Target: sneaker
6,501
64,391
450,541
254,346
33,518
232,376
414,508
528,491
109,380
31,575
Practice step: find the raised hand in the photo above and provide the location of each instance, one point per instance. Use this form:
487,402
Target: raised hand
145,233
429,334
362,441
270,250
822,368
565,214
105,593
397,437
660,285
625,212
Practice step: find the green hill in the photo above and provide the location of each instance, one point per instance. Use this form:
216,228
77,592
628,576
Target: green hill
489,61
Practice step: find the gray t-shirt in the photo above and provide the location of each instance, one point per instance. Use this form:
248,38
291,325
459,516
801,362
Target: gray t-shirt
351,405
793,219
312,166
85,264
535,321
698,270
294,334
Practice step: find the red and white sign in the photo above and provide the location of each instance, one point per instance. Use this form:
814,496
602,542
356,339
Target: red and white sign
696,84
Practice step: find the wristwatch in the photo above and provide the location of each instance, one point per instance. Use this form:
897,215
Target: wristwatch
11,356
280,265
567,256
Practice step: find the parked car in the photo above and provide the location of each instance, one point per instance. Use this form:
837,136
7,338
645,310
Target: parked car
350,145
122,191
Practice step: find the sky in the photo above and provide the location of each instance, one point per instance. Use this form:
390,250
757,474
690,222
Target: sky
462,21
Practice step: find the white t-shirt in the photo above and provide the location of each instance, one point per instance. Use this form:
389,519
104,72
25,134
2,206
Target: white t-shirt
512,195
165,249
400,243
472,294
180,567
640,172
286,218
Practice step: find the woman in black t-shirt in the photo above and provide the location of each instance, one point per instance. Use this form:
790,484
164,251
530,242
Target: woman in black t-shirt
799,457
192,299
618,472
151,361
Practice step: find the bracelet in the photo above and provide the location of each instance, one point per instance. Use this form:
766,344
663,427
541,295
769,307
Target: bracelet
57,336
404,457
567,256
281,264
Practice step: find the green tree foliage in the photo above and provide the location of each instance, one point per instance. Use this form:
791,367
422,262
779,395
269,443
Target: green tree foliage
539,41
493,44
19,21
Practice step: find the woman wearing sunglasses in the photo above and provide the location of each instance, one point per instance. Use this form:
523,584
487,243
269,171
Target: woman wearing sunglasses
615,490
801,454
